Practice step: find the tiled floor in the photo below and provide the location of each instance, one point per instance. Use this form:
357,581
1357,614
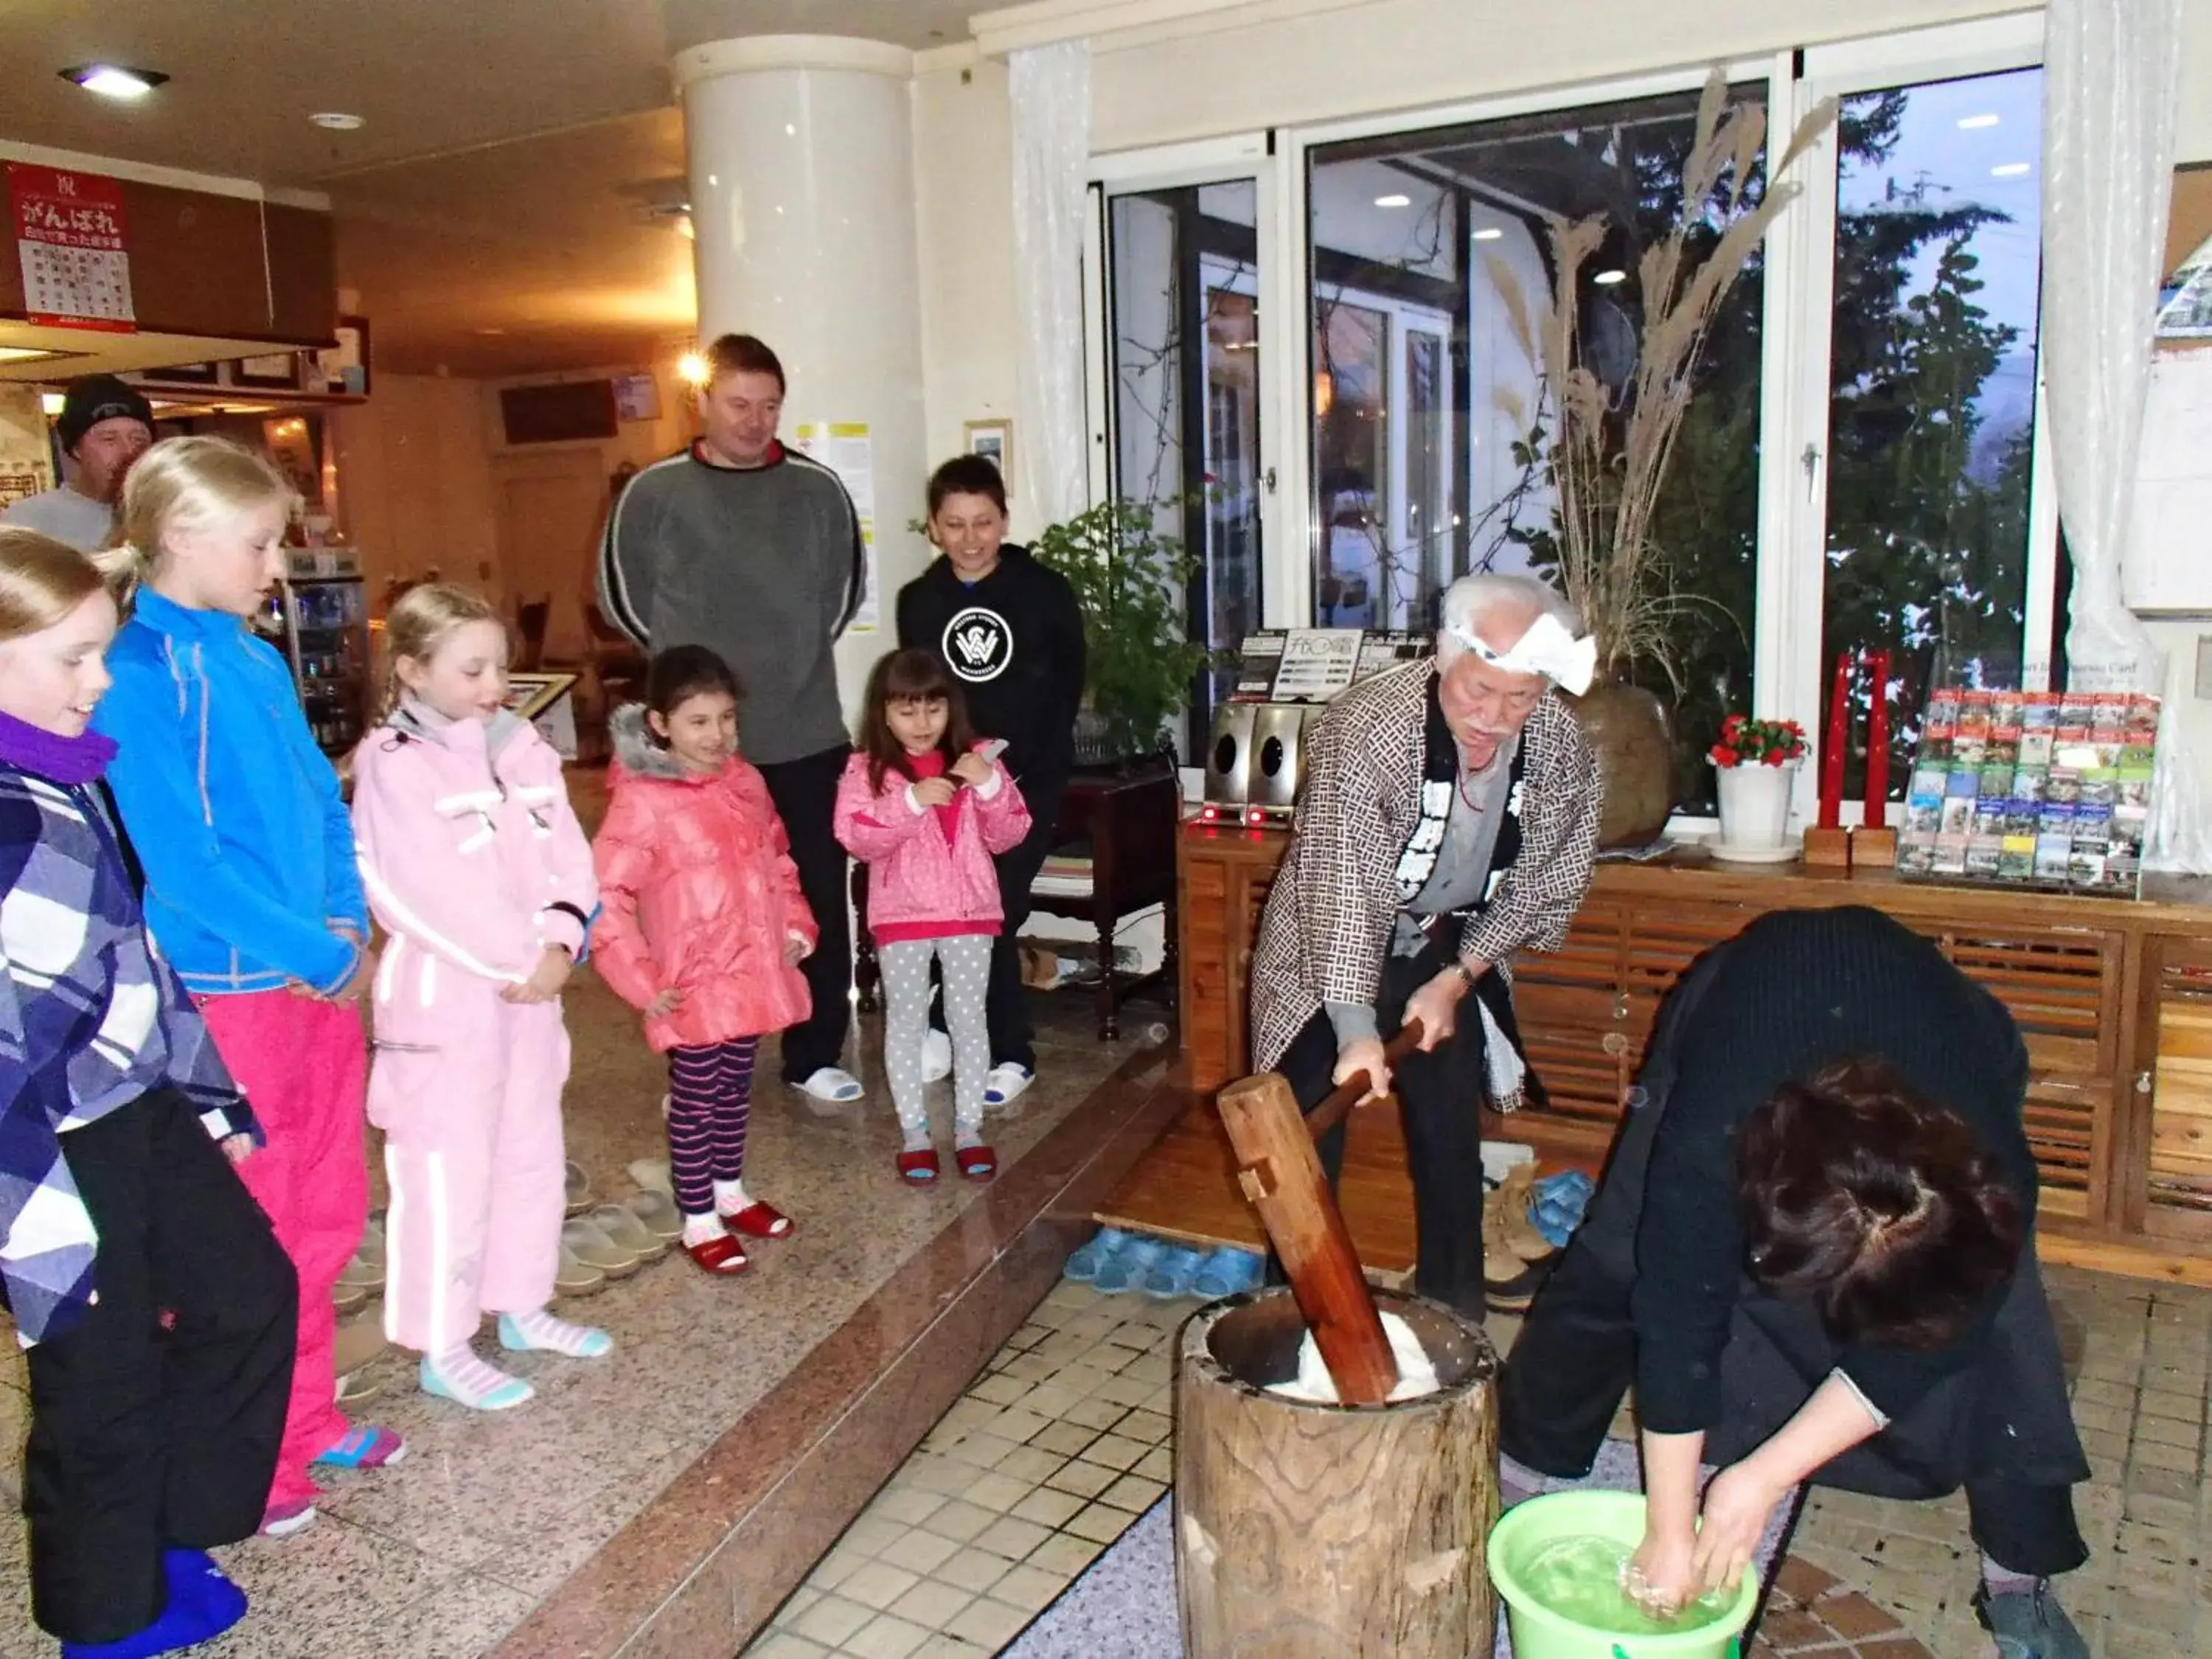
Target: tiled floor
1052,1453
1064,1439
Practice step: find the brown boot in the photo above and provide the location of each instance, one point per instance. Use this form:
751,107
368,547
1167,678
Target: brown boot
1509,1283
1511,1201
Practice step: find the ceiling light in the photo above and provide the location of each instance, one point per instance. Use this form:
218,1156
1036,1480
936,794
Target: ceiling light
1972,123
1488,234
1394,201
691,369
1608,278
50,403
337,120
2011,170
27,354
112,81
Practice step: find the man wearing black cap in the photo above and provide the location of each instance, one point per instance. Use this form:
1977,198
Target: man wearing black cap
104,426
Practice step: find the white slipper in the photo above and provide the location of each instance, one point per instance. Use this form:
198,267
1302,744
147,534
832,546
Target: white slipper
652,1173
833,1083
1006,1082
936,1056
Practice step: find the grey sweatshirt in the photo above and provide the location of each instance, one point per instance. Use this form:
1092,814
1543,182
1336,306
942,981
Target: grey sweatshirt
761,565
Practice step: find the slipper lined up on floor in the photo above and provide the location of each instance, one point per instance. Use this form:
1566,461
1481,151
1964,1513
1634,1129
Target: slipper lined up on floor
1114,1260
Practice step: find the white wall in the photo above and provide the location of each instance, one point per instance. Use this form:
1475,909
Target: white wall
413,484
963,207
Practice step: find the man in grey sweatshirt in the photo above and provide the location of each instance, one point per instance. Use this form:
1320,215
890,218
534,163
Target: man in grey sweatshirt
755,551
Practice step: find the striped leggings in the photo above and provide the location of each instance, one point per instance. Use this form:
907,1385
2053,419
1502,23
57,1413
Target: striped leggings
710,1094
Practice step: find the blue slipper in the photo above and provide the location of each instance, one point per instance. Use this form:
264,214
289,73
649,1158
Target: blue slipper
202,1604
1171,1274
1083,1267
1230,1272
1126,1269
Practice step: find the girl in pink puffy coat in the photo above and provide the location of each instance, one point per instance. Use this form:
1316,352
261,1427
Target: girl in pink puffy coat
703,929
479,873
925,806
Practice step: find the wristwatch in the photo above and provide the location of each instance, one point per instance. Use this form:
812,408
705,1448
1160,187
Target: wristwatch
1466,973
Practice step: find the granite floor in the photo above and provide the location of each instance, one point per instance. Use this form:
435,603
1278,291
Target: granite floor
451,1552
1066,1439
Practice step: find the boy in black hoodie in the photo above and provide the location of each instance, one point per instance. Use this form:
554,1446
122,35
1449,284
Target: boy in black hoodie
1009,631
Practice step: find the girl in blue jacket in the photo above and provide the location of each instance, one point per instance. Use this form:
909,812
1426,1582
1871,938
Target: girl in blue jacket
250,885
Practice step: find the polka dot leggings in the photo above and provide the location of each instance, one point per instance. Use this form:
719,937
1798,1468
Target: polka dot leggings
905,964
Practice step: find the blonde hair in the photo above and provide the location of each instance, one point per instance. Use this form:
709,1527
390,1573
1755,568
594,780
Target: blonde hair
184,483
420,621
41,582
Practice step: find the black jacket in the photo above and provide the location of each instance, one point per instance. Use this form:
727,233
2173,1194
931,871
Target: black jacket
1014,640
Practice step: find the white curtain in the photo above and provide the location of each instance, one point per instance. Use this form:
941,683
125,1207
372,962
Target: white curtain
2111,84
1049,89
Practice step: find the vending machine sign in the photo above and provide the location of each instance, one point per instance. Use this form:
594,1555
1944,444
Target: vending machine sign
70,238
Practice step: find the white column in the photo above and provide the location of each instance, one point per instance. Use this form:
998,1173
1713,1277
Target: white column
801,158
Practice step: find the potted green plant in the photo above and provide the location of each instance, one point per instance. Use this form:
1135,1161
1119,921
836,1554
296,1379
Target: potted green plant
1130,582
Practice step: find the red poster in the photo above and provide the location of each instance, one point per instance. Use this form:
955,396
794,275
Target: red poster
75,253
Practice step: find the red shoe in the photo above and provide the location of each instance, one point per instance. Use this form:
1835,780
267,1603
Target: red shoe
918,1167
977,1162
758,1220
723,1255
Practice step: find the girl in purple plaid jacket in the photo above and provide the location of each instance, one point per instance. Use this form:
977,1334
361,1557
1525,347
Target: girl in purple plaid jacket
157,1307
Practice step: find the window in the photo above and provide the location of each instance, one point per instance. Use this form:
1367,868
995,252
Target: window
1184,366
1430,420
1932,378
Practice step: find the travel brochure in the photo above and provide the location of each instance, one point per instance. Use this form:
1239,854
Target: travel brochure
2039,789
1312,664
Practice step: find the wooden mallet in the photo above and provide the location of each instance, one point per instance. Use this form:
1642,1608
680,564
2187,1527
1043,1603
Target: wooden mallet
1281,1175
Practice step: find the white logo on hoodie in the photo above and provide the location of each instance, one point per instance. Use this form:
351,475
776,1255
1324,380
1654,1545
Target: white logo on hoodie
977,644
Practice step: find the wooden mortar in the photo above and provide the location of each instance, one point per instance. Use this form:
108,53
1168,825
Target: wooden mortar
1307,1531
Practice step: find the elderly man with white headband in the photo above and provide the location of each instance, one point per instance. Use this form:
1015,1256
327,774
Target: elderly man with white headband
1449,820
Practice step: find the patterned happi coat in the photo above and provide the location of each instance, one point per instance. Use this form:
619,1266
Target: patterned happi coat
1382,764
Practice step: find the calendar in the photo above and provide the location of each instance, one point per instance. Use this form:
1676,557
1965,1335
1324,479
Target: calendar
70,238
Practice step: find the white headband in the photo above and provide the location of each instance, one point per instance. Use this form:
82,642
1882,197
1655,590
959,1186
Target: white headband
1547,648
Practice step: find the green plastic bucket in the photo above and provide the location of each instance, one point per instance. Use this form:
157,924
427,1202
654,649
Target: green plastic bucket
1540,1633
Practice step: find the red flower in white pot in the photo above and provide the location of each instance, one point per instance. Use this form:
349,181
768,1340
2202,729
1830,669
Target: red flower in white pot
1757,763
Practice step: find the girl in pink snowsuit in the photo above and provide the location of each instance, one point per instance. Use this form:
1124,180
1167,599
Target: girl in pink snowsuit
475,867
925,806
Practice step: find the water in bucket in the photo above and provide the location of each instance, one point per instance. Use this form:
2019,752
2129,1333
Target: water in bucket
1579,1578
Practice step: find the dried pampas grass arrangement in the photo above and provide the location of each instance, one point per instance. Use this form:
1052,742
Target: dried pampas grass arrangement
1607,471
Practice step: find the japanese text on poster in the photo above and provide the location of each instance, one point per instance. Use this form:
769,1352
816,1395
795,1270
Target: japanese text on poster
70,238
846,448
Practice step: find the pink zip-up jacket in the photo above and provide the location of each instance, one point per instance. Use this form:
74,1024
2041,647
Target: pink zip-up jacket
472,857
930,874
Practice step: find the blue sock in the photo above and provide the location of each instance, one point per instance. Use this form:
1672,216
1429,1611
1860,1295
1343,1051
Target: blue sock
202,1604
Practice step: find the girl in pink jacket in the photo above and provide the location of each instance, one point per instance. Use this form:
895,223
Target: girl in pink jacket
477,870
925,806
703,931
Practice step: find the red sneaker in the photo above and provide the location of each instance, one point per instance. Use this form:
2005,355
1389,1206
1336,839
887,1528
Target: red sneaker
918,1167
723,1255
758,1220
977,1162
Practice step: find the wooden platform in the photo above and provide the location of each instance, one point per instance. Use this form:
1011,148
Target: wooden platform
1185,1188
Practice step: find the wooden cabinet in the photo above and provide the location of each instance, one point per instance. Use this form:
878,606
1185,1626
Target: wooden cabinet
2113,997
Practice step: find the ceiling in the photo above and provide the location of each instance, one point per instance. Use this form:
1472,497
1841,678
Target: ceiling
494,209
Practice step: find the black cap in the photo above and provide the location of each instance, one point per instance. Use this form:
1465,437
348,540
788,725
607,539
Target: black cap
92,398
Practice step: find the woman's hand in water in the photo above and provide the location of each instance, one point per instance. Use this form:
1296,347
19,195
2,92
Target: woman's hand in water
1737,1506
1661,1576
972,769
933,792
545,980
666,1003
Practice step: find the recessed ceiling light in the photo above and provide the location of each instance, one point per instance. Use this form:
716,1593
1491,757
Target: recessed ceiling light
1488,234
337,120
1608,278
50,403
2011,170
1972,123
113,81
26,353
1394,201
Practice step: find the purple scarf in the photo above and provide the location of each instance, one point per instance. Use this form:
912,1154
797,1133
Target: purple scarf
77,760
